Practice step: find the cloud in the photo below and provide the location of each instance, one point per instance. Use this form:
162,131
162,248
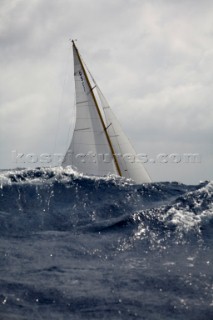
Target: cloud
152,59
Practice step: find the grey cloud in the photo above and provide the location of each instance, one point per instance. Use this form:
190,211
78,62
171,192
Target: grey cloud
153,61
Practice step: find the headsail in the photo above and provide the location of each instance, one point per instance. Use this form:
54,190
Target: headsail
99,146
129,162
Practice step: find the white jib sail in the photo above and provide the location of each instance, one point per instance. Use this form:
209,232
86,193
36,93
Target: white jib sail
129,162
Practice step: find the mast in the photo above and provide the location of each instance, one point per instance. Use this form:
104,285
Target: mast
99,112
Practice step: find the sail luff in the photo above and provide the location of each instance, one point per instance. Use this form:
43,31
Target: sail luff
98,111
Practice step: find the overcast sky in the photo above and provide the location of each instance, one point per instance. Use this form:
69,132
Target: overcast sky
153,60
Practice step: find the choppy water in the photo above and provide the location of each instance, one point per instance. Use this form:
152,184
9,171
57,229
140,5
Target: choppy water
74,247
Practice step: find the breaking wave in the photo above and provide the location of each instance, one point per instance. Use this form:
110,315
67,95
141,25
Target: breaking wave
60,199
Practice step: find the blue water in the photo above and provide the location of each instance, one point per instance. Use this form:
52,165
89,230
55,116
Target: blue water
74,247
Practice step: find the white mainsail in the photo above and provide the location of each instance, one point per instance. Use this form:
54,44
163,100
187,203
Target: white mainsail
99,146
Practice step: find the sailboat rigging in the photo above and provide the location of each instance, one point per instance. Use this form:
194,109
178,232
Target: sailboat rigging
99,146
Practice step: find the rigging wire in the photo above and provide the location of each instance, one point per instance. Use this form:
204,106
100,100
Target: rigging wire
61,103
73,112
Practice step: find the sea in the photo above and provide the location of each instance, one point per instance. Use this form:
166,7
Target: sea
78,247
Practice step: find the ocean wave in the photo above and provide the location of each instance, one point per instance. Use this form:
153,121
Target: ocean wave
61,199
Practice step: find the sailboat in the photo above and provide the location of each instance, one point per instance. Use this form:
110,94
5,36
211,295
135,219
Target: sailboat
99,147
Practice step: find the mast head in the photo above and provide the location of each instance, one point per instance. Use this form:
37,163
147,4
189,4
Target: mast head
73,44
73,41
